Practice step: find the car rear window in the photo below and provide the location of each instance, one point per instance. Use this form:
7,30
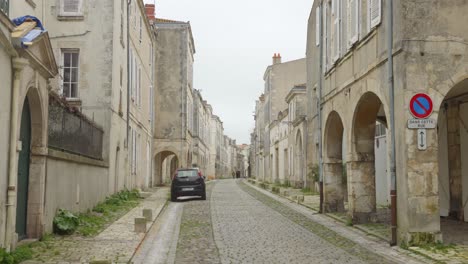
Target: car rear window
187,173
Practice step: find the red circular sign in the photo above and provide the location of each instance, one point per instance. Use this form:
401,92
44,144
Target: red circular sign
421,105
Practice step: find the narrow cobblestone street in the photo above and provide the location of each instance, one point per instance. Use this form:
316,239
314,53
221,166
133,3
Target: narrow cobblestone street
239,224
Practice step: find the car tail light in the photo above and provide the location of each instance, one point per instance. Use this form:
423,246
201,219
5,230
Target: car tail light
199,174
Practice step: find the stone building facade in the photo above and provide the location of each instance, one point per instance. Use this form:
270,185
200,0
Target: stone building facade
279,78
347,70
186,131
25,73
173,126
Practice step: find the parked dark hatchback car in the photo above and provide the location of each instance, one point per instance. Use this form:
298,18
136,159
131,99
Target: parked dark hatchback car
188,182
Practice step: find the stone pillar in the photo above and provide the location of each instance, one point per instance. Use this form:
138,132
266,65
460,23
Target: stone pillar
333,188
361,182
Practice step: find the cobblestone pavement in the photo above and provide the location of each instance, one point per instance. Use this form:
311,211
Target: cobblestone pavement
196,243
116,243
247,230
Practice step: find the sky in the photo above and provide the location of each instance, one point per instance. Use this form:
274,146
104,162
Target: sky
235,42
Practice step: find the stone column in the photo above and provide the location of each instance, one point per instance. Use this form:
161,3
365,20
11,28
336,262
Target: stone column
18,65
361,182
333,188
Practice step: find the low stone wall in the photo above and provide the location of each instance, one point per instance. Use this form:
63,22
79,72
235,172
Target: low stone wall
74,183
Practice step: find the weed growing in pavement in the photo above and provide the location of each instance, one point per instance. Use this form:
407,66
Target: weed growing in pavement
308,191
21,253
111,209
438,247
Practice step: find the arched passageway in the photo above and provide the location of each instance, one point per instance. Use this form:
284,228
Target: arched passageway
452,131
334,167
166,163
368,169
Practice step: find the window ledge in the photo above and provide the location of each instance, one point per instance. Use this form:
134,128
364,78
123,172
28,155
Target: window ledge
70,17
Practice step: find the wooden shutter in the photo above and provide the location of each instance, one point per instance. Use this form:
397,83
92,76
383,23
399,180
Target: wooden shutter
326,43
130,73
71,6
317,26
336,30
375,11
353,21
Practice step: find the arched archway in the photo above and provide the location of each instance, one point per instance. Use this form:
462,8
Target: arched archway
166,163
368,114
452,134
333,168
298,161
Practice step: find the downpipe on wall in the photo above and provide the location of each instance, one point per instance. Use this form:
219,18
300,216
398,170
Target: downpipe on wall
393,190
319,109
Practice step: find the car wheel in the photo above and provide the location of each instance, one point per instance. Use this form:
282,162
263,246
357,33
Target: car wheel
173,198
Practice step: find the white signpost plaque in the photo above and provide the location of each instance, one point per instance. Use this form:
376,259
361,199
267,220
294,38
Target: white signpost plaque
422,139
421,123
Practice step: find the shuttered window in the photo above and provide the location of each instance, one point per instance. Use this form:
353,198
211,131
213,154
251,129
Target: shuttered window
353,21
317,26
336,16
374,12
326,36
71,7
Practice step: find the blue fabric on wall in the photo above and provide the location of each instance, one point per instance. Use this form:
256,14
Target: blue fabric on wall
20,20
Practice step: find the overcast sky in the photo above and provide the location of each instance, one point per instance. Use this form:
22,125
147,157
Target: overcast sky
235,41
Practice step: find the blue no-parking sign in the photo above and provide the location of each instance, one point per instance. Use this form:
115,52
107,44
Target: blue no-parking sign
421,105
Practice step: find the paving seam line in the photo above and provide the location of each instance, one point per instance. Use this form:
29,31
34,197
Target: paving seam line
146,233
284,201
211,220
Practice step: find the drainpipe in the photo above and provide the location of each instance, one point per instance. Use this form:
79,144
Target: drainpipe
129,2
319,108
393,190
18,65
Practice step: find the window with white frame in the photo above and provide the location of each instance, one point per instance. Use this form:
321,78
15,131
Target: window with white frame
70,72
71,7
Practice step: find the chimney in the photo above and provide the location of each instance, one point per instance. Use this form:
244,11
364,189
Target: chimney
150,11
276,58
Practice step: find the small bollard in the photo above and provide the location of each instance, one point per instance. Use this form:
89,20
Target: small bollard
300,198
148,214
140,225
285,193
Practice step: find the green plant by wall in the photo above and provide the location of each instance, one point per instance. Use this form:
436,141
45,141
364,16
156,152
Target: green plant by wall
313,172
21,254
65,222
